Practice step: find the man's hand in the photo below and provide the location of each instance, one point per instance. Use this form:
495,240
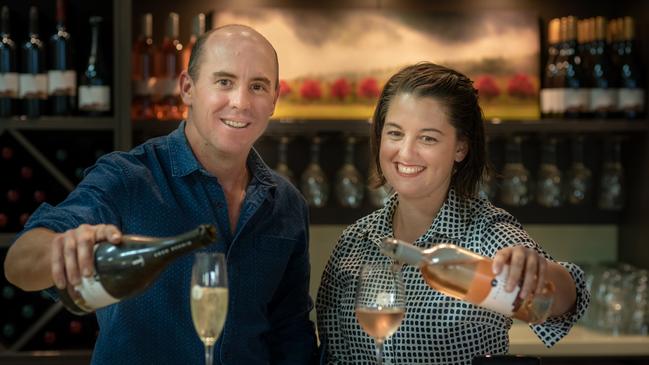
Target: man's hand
72,252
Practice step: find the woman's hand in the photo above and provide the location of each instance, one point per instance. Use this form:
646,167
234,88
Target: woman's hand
526,266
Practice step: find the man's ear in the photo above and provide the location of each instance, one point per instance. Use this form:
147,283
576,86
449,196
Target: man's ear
186,87
462,150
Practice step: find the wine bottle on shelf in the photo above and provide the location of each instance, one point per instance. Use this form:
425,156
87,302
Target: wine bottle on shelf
143,57
33,76
465,275
198,28
170,106
604,90
548,93
62,75
124,270
8,72
571,75
631,96
94,89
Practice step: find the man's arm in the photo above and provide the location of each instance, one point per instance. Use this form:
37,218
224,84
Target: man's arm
41,257
28,261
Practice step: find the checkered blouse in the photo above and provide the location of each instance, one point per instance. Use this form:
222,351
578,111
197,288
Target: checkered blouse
437,329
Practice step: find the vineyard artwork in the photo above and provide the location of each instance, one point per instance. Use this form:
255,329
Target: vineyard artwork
333,64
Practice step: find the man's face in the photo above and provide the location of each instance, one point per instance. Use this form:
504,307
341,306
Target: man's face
233,96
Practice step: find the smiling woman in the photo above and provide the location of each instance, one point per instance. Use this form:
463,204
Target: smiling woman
428,144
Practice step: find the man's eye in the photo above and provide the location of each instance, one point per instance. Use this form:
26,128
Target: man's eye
258,87
224,82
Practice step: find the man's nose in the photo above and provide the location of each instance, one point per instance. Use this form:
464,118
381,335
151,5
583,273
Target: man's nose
240,98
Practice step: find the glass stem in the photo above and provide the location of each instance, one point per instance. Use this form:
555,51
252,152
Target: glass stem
378,342
208,354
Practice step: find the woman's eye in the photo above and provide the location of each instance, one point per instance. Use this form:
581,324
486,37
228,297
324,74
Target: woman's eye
428,139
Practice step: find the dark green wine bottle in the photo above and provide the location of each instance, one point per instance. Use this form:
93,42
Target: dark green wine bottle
126,269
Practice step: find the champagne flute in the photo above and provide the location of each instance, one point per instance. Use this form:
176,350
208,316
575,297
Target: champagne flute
282,160
350,186
380,302
209,298
313,182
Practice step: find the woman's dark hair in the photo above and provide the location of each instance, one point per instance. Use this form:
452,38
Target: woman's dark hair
453,90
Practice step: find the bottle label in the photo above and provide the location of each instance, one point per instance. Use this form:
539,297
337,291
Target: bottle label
93,293
32,86
9,84
576,100
493,287
94,98
546,101
168,86
62,82
631,99
559,100
603,99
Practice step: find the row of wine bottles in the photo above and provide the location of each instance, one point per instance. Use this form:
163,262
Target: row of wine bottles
156,69
593,69
41,78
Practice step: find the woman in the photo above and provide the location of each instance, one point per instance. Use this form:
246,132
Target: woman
428,143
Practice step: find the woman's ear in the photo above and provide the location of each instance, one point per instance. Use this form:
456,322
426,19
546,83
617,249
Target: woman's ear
186,87
461,150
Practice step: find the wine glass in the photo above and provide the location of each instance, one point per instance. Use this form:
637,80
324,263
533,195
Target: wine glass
313,182
612,185
350,186
209,298
548,192
282,160
380,302
579,177
516,184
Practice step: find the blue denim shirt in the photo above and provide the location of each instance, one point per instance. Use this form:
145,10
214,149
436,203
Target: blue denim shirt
160,189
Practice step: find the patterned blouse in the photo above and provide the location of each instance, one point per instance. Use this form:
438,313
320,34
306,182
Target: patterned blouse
436,329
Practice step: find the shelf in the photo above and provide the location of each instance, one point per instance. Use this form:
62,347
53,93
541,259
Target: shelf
362,127
68,357
59,123
581,341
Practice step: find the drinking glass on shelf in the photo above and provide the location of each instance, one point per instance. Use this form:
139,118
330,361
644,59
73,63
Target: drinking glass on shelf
282,160
350,186
516,185
380,302
579,177
313,182
209,298
379,196
548,186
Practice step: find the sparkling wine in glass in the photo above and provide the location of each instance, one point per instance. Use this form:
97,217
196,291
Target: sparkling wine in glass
350,186
314,183
209,298
380,302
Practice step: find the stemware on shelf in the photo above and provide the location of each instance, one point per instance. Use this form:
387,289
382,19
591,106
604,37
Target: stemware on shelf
579,177
282,164
612,189
313,182
548,185
350,186
516,185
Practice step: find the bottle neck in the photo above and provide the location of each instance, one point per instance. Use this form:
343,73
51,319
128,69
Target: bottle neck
33,22
4,25
92,60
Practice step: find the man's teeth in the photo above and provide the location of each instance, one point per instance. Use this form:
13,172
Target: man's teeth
234,124
409,169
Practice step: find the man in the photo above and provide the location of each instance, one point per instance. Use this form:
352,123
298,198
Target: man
204,172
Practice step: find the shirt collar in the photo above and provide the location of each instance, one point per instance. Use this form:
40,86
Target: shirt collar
184,162
450,223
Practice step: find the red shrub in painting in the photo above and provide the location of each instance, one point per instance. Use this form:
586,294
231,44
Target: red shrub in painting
284,88
369,88
487,87
520,86
341,88
311,90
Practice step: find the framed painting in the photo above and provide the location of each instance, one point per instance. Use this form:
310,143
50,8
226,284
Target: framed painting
333,64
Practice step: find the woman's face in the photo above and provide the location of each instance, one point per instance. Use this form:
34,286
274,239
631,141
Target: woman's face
419,147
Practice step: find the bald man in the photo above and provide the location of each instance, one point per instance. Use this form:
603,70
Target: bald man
206,171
